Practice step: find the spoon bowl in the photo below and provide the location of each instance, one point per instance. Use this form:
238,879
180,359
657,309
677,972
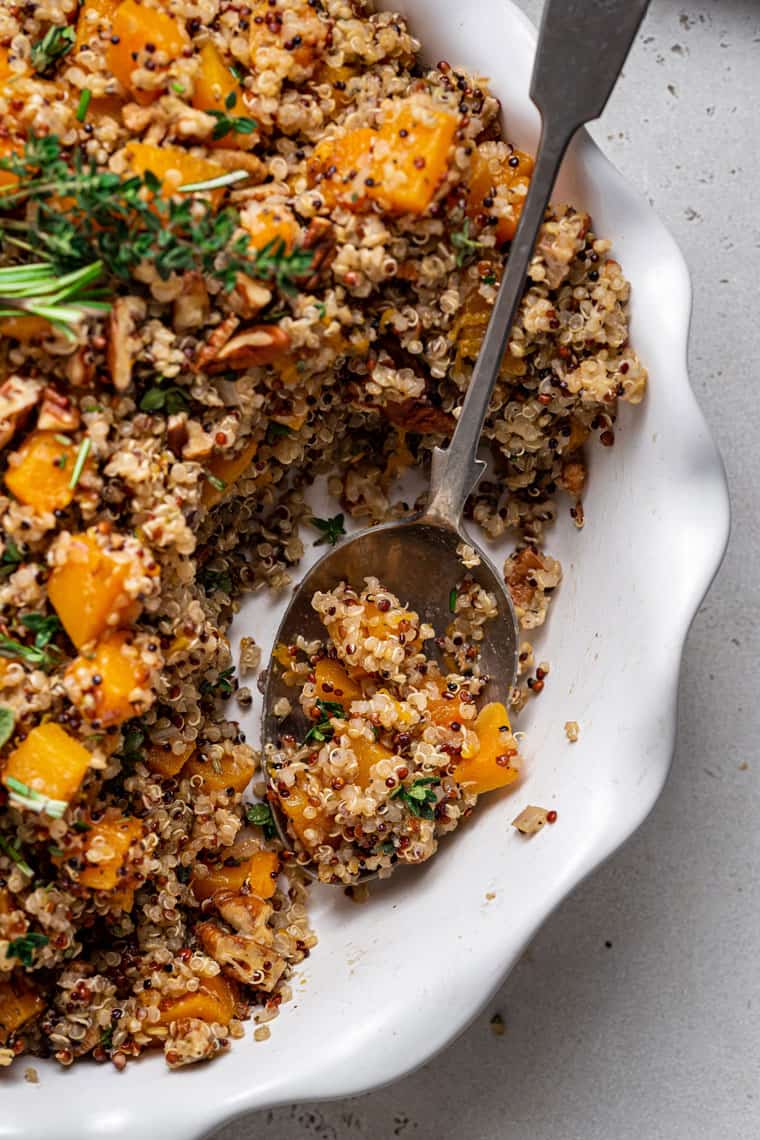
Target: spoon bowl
419,561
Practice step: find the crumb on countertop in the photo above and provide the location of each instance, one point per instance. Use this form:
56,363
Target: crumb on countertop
572,730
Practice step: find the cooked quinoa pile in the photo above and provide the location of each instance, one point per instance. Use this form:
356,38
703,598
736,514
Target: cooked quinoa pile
242,244
397,750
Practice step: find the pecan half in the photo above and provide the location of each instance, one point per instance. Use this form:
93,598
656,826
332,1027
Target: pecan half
258,345
80,367
191,307
57,413
215,342
126,313
17,397
249,297
419,416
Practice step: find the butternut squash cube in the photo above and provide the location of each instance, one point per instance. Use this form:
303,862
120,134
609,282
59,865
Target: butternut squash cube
494,765
367,753
49,761
501,176
102,685
134,26
270,224
109,841
166,763
411,157
339,168
94,22
39,473
275,24
214,84
24,329
226,470
213,1001
334,684
19,1003
173,166
257,870
87,589
294,806
233,770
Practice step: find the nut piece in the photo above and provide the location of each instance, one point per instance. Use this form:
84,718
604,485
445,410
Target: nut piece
256,346
241,956
17,397
215,341
249,297
80,367
191,308
57,412
248,914
572,731
176,432
419,416
573,477
530,820
126,313
199,443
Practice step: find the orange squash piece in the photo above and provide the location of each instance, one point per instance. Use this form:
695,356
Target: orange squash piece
166,763
94,21
262,874
114,838
213,1001
411,157
232,771
493,765
88,589
368,753
107,677
134,26
49,761
276,23
257,870
174,167
271,224
19,1003
504,179
228,470
339,168
39,473
294,806
334,684
214,84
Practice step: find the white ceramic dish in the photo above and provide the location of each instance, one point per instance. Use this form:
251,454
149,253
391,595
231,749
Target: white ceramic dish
657,523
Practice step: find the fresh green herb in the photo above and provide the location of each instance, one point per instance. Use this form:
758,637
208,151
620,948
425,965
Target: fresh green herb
13,650
273,263
84,104
23,948
321,309
453,595
237,72
322,731
419,796
38,290
184,874
465,246
177,88
81,826
217,483
489,279
106,1037
224,686
21,795
213,580
261,815
56,851
7,724
14,854
171,400
387,847
43,626
11,559
84,450
132,742
332,529
64,440
277,431
54,45
217,183
231,124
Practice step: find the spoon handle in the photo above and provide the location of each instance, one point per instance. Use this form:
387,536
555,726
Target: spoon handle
582,47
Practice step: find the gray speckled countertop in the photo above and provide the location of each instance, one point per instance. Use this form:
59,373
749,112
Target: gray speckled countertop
633,1016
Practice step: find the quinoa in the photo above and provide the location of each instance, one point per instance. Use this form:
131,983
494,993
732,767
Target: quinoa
317,310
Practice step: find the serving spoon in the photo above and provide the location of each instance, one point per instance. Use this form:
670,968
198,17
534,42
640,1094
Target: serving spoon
581,49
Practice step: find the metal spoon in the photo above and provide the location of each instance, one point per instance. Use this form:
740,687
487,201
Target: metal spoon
581,48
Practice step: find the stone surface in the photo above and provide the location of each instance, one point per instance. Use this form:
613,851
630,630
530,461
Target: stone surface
631,1016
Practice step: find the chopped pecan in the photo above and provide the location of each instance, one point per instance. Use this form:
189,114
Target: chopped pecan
199,444
258,345
241,956
17,397
573,477
80,367
247,914
249,297
320,239
57,413
126,313
191,307
215,342
241,160
419,416
176,432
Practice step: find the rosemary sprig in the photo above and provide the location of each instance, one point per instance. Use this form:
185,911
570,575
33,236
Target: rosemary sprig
54,45
21,795
37,290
